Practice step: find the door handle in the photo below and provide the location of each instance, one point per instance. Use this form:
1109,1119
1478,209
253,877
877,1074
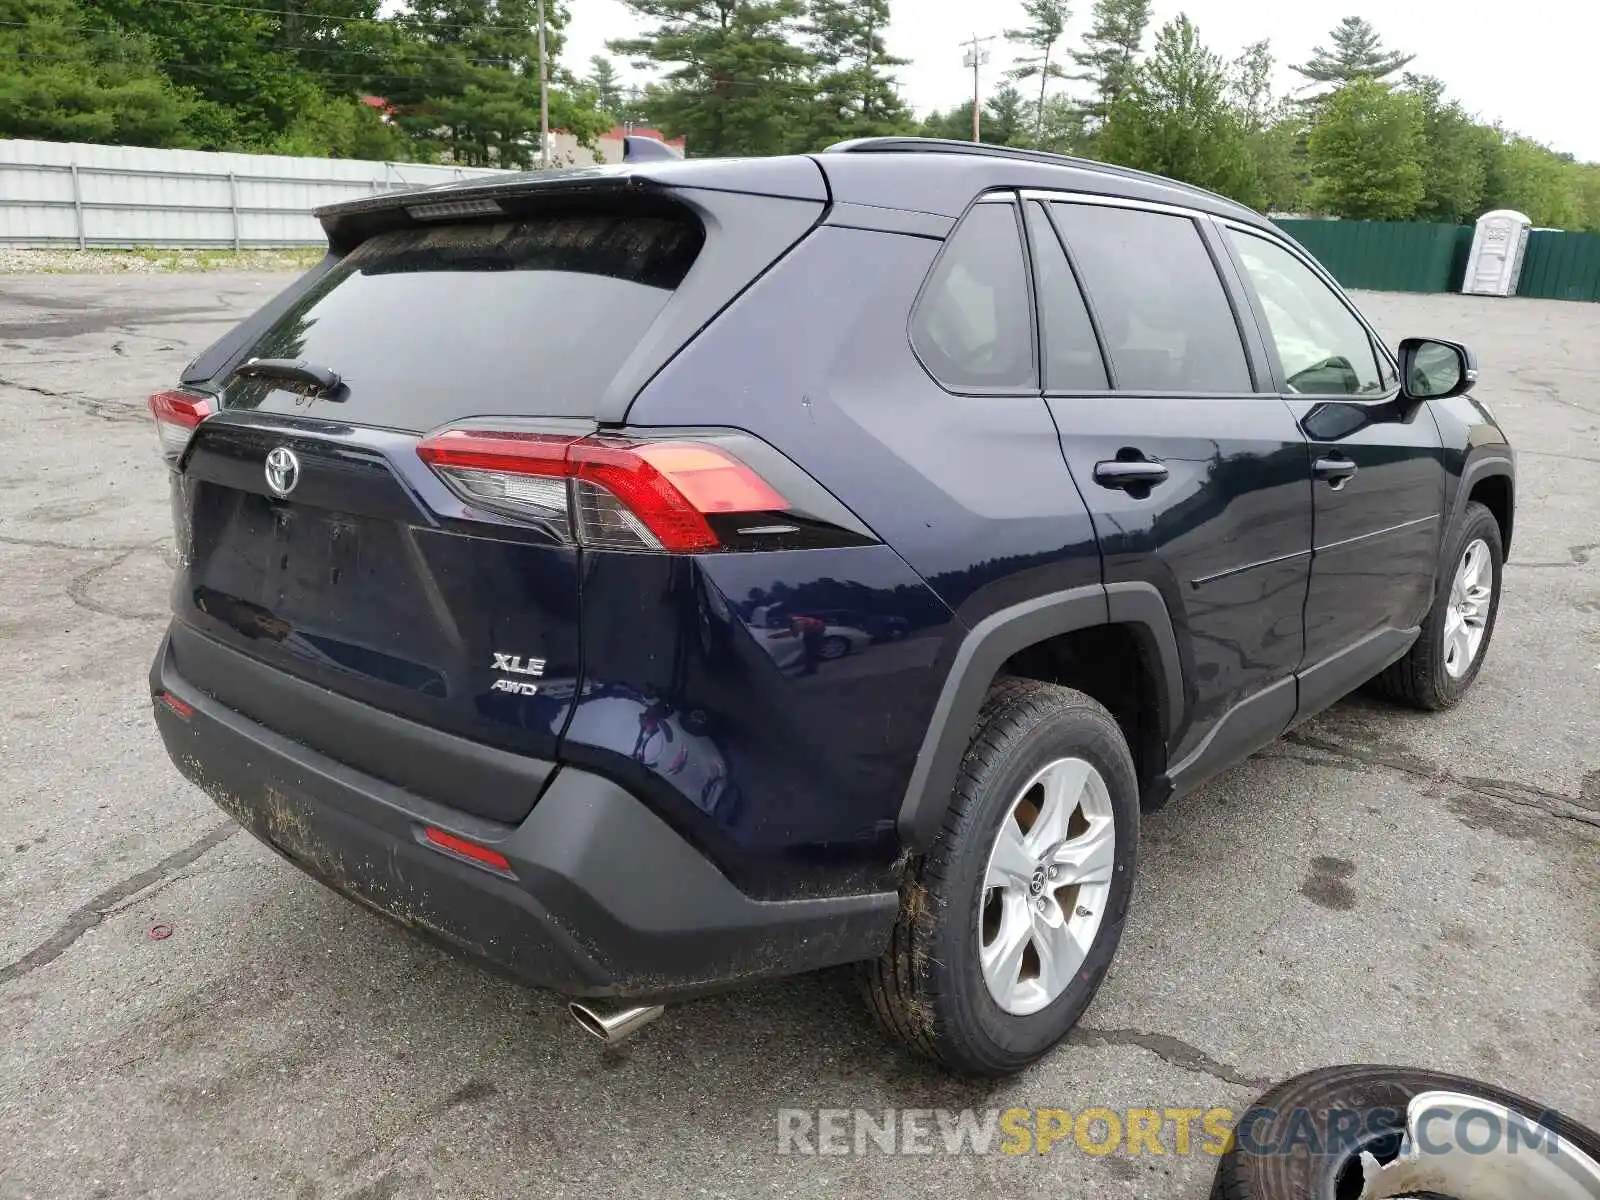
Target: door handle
1138,473
1337,471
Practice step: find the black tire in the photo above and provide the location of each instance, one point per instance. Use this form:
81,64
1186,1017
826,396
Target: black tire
928,989
1419,679
1379,1095
833,647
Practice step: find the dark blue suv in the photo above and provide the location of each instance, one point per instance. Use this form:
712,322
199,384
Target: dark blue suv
659,576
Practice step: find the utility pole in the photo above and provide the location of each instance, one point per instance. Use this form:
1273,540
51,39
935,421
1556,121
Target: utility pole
544,99
977,56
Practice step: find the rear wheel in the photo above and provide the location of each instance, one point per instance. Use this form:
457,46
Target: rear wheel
1448,653
1009,922
833,646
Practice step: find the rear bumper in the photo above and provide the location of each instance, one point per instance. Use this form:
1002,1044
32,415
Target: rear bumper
603,898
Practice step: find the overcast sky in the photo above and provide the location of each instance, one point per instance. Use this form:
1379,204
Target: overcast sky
1528,63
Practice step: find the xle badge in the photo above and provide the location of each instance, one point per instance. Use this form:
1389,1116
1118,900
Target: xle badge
518,665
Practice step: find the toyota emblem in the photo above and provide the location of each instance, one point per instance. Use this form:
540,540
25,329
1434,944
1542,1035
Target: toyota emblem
283,471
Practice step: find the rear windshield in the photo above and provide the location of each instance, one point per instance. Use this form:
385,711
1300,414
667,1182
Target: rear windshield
524,317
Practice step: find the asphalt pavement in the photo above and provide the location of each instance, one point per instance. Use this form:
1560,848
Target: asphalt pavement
1379,886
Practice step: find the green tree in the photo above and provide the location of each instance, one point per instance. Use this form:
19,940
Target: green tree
1586,188
735,70
1250,87
343,127
1533,179
1005,118
954,123
1366,153
1063,130
467,82
1047,20
1357,53
607,85
1453,165
1273,133
853,96
1174,118
254,70
70,79
1111,51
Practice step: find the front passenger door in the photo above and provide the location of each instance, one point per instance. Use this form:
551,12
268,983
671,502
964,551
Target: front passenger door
1377,468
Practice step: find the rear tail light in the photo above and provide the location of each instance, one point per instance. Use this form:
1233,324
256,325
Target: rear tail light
462,848
614,492
177,413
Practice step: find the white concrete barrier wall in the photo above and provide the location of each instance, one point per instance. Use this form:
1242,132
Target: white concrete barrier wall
73,194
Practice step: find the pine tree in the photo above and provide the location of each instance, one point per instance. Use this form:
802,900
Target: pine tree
1357,53
607,85
1110,51
69,77
1005,121
469,81
735,69
230,59
1047,20
854,97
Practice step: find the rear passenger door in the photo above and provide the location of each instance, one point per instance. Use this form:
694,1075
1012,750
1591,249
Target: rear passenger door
1192,468
1378,483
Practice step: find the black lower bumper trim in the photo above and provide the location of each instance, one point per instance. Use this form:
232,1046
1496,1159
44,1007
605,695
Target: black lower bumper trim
603,897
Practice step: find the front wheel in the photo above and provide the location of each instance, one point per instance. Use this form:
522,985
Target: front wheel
1009,922
1448,653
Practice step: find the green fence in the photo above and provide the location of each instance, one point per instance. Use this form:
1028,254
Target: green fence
1561,266
1387,256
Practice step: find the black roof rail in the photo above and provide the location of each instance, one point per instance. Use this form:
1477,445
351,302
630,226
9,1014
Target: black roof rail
904,145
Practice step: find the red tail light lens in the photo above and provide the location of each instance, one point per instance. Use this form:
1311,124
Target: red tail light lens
177,413
618,493
481,855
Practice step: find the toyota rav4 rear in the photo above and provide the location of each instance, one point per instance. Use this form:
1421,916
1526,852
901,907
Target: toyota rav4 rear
455,639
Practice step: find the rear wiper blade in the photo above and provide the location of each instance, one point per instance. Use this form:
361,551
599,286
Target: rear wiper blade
294,370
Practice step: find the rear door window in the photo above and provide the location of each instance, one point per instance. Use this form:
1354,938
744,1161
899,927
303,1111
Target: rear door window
529,317
1163,313
972,327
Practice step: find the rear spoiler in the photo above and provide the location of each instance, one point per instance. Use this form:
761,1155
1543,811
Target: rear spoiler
638,180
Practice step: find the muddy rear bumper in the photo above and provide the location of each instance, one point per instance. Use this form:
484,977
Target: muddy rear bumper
603,898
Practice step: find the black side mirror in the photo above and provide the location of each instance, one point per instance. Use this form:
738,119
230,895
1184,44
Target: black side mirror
1431,369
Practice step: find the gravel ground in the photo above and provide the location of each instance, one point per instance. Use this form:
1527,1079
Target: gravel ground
1380,886
152,261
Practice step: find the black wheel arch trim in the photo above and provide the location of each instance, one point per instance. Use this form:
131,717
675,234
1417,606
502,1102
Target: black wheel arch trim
984,649
1486,463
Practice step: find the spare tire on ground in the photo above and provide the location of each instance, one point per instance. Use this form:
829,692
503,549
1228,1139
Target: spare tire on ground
1370,1132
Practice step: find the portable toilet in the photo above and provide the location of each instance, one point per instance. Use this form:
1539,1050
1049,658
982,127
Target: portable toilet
1495,262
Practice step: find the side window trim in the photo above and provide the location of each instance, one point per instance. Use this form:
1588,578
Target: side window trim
1380,351
1257,351
1008,198
1203,224
1036,204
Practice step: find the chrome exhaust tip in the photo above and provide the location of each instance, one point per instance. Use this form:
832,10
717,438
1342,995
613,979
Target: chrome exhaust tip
613,1027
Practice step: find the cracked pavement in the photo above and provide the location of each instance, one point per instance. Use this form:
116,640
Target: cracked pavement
1378,886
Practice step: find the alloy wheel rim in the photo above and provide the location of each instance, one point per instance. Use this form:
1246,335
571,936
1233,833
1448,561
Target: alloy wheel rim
1046,885
1467,617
